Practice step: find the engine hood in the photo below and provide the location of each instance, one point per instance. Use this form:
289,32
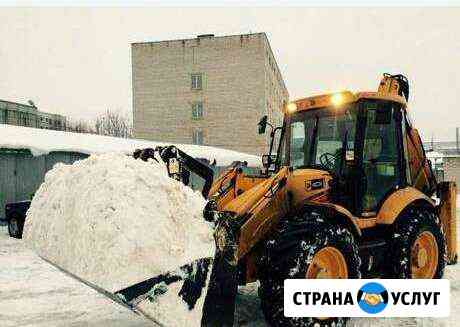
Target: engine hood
243,203
302,184
308,185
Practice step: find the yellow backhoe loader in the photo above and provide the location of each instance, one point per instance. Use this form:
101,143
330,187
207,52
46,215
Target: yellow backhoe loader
347,192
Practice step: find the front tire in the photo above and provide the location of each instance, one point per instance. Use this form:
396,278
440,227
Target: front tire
418,246
294,253
15,227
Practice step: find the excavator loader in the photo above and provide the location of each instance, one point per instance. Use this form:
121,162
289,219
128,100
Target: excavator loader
347,192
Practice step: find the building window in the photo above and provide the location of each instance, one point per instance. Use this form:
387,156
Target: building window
197,81
198,136
197,110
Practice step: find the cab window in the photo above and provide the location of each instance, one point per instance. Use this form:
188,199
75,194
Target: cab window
380,153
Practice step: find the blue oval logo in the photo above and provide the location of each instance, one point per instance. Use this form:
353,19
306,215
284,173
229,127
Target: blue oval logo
372,298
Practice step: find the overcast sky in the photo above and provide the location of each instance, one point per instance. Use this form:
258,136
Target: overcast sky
77,61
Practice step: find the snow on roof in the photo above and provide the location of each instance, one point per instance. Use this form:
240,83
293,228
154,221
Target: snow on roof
42,141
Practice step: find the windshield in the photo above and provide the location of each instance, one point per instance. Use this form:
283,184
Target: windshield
323,138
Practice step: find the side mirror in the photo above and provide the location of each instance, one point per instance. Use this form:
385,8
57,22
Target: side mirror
262,124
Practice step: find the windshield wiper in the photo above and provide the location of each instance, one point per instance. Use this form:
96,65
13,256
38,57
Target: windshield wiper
313,139
344,153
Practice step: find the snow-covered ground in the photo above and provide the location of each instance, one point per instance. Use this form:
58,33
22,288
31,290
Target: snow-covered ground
33,293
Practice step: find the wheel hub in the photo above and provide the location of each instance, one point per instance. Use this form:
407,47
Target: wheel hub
424,256
421,258
327,263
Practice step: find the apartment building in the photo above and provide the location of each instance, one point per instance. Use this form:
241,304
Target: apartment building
207,90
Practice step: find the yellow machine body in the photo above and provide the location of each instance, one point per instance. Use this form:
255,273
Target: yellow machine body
260,202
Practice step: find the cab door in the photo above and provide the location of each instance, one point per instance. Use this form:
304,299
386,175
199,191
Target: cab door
380,154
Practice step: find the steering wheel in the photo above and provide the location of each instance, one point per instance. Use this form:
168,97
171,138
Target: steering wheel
327,160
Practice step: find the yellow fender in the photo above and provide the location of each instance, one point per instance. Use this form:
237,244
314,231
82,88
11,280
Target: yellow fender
397,202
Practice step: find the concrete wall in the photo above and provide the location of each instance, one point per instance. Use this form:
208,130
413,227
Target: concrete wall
241,83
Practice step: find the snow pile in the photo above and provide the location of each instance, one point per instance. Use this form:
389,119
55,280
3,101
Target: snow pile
41,141
115,221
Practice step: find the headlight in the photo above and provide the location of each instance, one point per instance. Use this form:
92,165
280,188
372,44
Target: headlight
291,107
337,99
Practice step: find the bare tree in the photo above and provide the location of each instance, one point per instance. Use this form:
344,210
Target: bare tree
79,126
114,123
110,123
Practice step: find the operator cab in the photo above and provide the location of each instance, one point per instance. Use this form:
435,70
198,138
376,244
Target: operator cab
355,143
359,139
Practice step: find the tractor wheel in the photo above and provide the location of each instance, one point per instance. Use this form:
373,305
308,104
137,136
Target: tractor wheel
311,248
15,227
418,246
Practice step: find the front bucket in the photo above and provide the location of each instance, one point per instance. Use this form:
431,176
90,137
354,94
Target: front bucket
172,299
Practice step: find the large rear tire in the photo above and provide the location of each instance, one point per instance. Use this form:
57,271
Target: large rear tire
418,246
305,249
